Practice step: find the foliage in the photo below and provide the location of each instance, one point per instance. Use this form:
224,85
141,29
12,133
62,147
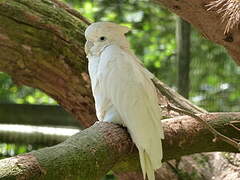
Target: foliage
8,150
11,93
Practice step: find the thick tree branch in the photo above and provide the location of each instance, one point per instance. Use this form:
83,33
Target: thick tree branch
41,45
106,146
209,23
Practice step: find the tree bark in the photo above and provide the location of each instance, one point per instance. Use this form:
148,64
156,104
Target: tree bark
41,45
106,146
209,23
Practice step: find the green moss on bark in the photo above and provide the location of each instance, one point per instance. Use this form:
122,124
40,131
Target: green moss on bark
44,40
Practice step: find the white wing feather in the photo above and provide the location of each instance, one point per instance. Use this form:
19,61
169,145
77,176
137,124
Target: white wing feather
127,85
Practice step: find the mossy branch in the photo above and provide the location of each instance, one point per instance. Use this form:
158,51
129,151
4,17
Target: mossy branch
41,45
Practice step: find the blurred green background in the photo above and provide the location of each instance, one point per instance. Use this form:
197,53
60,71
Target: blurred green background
213,75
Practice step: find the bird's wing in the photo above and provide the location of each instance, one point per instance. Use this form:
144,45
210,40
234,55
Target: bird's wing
133,94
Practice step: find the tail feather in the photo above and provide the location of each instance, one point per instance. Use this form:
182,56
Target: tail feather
142,161
146,164
149,168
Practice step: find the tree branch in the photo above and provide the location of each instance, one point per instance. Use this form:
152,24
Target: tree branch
106,146
41,45
217,135
168,96
209,23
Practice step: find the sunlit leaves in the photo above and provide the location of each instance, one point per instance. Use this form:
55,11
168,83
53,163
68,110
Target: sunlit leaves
11,93
8,150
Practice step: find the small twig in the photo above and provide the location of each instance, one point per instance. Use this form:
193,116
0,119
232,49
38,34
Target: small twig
235,122
174,169
178,162
235,127
236,139
217,134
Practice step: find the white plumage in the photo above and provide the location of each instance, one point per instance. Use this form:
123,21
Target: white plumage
124,92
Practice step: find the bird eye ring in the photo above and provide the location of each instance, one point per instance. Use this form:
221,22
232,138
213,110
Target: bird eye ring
102,38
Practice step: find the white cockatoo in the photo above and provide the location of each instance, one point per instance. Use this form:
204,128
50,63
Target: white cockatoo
124,92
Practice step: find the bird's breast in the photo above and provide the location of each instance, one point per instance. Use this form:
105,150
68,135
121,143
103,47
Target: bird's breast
93,71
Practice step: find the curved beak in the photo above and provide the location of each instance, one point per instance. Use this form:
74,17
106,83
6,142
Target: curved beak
88,46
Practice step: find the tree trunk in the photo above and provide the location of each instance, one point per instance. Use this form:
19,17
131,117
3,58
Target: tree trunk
183,35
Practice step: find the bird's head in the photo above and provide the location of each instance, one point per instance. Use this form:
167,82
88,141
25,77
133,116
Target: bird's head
102,34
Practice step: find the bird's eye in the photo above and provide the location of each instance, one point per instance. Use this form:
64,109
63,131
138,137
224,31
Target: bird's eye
102,38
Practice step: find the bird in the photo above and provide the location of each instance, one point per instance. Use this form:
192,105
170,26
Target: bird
124,92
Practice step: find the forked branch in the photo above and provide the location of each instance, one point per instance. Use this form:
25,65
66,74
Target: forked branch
217,134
